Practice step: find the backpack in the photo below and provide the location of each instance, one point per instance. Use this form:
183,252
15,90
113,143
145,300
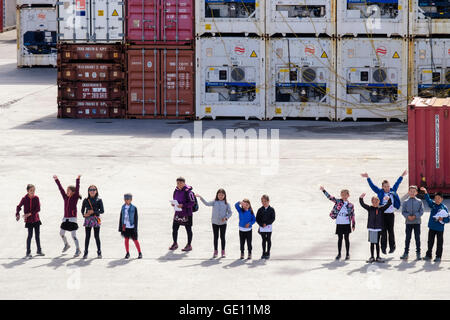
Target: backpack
195,207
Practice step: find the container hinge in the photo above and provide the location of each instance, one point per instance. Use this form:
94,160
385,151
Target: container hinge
120,3
60,19
121,34
121,19
59,3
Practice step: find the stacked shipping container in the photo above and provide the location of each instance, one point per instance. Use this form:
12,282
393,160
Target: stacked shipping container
91,59
160,59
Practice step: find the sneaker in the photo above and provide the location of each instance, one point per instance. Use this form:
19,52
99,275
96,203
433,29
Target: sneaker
404,256
140,255
28,255
187,248
427,258
347,257
249,256
99,254
223,254
215,254
263,256
338,256
173,247
437,259
379,260
66,247
85,255
267,256
127,256
77,253
371,260
242,256
40,253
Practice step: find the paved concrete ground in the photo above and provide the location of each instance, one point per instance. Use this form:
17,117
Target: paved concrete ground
136,156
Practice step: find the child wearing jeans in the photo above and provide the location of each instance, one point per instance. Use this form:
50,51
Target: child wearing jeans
128,225
31,207
375,222
246,221
265,218
344,214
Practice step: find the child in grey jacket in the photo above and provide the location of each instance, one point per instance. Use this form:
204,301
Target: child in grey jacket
412,210
221,212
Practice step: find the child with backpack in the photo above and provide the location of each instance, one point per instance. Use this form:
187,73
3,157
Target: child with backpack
246,220
31,208
187,204
344,214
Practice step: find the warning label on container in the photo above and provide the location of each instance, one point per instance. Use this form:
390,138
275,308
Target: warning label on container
81,8
253,55
240,50
381,51
324,55
396,55
115,14
310,50
100,13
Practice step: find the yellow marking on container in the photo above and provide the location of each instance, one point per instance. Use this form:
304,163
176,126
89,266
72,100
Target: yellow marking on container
400,7
115,14
116,55
327,90
257,90
396,55
278,111
211,69
101,13
349,111
284,70
253,55
352,70
208,110
324,55
399,91
207,26
256,4
427,71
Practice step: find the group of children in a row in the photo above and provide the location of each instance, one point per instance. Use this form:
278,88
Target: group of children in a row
186,203
380,220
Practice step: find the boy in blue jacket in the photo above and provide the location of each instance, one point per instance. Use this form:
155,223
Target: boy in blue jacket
389,218
435,226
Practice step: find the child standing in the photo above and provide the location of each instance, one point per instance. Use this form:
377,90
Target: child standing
375,222
70,197
344,214
221,213
265,218
412,210
436,228
91,209
31,210
246,221
128,225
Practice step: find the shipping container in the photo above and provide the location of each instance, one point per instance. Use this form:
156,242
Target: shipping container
160,82
430,68
113,53
372,17
160,21
429,144
8,15
230,16
90,72
428,17
90,109
301,78
372,78
301,17
36,36
36,3
90,90
230,77
97,21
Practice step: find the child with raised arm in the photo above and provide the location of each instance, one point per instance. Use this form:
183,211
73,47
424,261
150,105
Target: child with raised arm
435,225
31,208
375,223
344,214
70,197
246,220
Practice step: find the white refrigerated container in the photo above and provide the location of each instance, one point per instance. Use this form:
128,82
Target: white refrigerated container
428,17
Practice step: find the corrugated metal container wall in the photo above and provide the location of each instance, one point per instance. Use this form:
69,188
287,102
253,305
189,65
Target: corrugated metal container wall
428,17
160,21
372,78
90,90
363,17
37,3
305,17
9,14
36,36
91,52
91,109
230,16
98,21
230,77
160,83
431,68
429,144
301,78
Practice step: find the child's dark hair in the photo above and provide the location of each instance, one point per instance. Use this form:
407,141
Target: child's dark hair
96,191
74,189
265,197
440,194
30,186
384,182
223,192
181,179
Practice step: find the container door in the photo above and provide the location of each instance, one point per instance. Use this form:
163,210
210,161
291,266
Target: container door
177,72
143,20
73,20
38,31
177,20
107,20
142,82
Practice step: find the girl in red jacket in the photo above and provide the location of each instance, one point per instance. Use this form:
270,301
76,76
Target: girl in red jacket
31,209
71,197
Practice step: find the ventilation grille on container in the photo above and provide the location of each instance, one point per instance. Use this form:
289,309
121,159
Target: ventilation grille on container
379,75
309,75
238,74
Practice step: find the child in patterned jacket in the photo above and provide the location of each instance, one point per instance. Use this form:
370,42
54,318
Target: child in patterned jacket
344,214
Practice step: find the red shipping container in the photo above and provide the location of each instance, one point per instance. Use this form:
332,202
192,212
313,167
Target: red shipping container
429,144
90,72
90,109
160,21
90,90
85,52
160,83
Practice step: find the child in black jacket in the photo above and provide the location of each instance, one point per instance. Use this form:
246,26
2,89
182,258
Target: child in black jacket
375,222
265,218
